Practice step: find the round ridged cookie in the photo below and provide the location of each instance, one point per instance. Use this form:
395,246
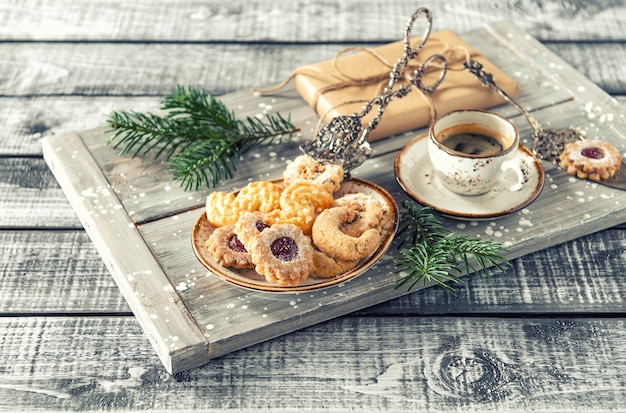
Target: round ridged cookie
224,208
250,225
262,196
227,249
219,209
300,203
283,254
369,209
587,159
328,267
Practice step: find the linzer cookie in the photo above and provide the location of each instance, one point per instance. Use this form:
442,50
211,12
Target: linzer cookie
283,254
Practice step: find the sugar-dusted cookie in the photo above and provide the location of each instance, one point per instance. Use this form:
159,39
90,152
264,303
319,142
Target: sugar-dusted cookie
369,209
227,249
304,168
250,225
329,238
591,159
328,267
283,254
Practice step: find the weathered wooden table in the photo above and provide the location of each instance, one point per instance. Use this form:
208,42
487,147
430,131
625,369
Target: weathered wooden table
547,335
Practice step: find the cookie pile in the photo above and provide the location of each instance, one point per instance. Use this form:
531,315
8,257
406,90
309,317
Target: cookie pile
292,231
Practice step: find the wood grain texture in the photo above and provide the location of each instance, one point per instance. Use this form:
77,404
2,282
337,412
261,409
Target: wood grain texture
403,363
155,69
553,325
164,216
155,302
69,278
27,119
532,285
242,21
31,197
597,61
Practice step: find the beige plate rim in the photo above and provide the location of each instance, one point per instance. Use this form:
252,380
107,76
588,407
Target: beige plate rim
250,280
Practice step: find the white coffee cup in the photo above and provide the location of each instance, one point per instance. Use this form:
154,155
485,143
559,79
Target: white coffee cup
472,150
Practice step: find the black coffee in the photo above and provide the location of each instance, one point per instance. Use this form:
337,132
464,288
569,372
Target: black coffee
471,143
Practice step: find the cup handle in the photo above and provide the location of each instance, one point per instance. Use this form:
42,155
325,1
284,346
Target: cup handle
517,166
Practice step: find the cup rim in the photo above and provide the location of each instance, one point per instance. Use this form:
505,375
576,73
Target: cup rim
481,112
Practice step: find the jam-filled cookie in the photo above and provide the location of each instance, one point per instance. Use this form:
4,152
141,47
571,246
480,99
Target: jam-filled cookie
283,254
591,159
300,203
328,236
250,225
227,249
304,168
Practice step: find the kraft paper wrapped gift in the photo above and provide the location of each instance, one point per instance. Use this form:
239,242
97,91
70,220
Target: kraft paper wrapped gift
341,86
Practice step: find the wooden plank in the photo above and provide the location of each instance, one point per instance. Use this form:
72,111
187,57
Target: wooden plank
595,63
452,364
55,272
27,119
581,276
154,300
233,318
39,69
147,69
363,20
30,197
40,279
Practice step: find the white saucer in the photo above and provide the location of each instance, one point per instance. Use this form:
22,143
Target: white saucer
416,176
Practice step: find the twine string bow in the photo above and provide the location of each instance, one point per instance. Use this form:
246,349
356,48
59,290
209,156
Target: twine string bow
344,139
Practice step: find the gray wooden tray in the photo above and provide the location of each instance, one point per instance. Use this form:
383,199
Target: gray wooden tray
140,220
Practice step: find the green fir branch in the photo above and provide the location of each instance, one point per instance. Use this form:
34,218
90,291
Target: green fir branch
198,137
431,253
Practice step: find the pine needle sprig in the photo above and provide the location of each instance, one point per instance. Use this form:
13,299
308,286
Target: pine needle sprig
204,162
431,253
422,263
198,137
419,225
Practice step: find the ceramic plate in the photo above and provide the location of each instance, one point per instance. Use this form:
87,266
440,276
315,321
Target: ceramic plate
416,176
250,279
